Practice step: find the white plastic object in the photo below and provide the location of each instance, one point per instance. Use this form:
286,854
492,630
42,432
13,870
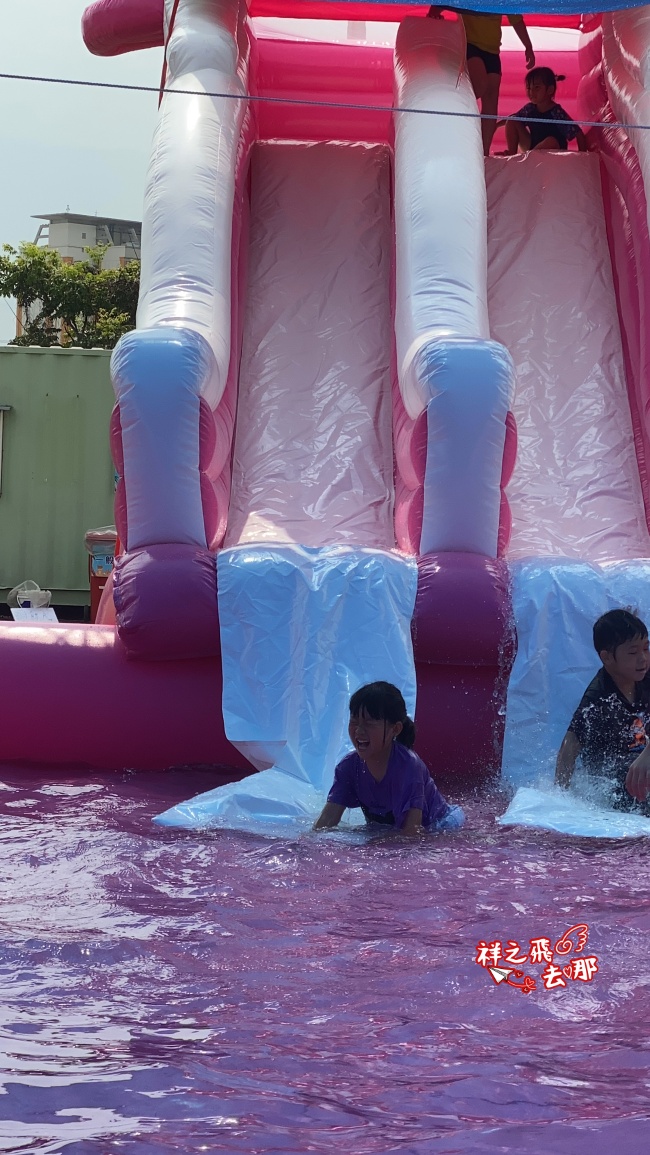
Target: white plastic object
28,595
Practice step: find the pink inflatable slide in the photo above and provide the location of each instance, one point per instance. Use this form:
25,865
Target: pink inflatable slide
345,316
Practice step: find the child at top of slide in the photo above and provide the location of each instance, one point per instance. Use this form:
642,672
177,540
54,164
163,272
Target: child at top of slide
483,35
609,727
541,84
383,775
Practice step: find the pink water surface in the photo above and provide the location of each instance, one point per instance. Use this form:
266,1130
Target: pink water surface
171,992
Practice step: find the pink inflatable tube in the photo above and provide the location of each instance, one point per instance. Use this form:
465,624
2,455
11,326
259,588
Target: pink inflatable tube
324,72
88,706
110,27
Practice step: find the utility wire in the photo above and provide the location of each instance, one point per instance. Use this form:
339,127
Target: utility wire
309,103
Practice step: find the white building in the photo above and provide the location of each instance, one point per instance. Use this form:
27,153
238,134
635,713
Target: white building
71,234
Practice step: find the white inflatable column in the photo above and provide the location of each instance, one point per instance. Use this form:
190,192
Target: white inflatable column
185,294
446,362
626,59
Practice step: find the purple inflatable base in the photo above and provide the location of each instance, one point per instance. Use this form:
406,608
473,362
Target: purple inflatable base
91,704
464,643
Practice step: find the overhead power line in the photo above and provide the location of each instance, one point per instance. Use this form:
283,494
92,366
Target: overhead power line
304,103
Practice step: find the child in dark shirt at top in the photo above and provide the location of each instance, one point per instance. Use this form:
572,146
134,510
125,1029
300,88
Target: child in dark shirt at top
384,776
609,727
541,84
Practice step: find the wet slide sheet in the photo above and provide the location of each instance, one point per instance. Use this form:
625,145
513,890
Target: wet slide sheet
554,809
575,491
555,604
301,630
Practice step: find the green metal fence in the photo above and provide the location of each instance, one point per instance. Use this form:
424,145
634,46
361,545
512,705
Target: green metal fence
57,478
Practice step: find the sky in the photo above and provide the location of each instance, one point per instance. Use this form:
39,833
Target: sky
83,148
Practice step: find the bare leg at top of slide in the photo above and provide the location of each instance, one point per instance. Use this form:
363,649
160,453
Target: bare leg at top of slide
486,90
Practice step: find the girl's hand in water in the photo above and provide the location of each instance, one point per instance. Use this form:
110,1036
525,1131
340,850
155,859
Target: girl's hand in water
330,817
412,824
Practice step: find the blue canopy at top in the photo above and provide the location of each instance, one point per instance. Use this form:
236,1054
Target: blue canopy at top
557,8
554,13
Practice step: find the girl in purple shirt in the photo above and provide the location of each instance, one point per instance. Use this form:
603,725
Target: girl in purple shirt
384,776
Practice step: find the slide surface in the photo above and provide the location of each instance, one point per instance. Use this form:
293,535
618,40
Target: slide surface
313,457
575,491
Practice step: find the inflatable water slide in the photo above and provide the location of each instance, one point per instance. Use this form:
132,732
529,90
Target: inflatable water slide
379,386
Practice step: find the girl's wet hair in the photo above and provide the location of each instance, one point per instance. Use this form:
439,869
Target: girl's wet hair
545,76
384,702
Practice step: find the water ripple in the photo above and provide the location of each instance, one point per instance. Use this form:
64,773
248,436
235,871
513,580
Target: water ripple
172,992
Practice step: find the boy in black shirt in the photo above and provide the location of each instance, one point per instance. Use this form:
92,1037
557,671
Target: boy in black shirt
609,727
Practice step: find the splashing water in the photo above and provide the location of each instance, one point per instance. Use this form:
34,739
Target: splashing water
166,992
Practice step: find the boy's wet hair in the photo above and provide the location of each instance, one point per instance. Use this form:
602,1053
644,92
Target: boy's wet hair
616,627
545,76
384,702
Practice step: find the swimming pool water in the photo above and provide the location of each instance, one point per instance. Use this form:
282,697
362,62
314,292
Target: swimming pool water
163,991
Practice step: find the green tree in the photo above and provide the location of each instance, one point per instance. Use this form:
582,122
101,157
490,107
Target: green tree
79,304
